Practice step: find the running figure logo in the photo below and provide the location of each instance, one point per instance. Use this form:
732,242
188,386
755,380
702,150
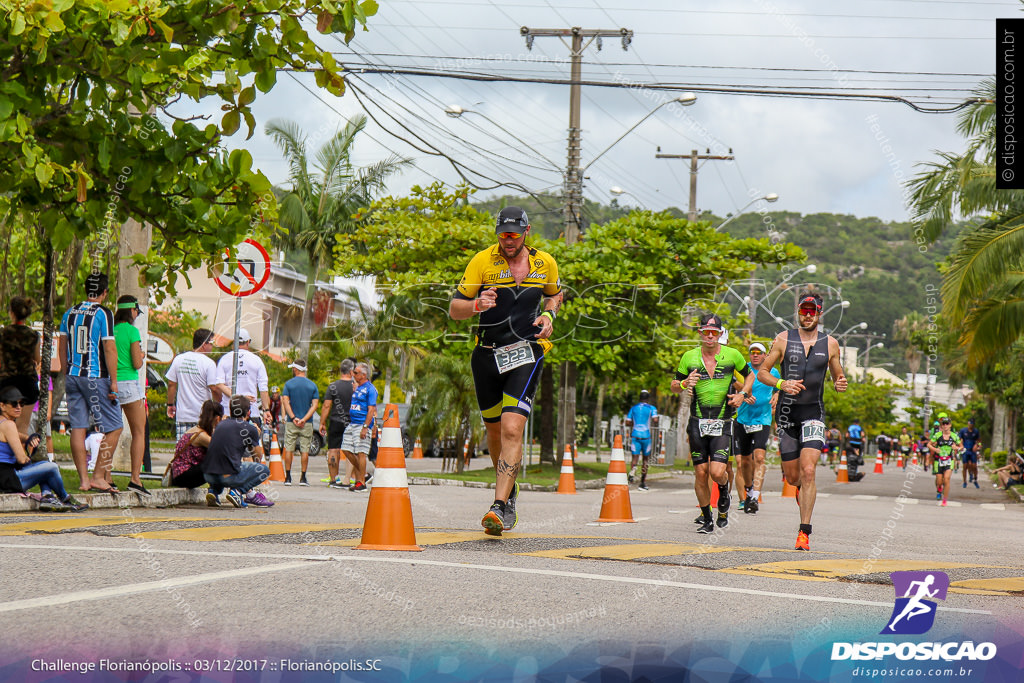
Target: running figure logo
913,614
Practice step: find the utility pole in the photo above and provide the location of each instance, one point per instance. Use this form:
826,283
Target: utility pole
573,184
694,157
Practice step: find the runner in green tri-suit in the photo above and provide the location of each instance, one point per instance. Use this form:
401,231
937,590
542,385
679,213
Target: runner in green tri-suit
942,450
709,370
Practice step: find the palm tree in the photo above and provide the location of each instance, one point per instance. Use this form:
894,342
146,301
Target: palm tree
983,288
324,201
445,404
907,333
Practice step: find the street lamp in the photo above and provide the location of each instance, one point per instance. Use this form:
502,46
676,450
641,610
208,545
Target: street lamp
770,197
753,302
858,326
844,304
867,354
455,111
686,99
618,192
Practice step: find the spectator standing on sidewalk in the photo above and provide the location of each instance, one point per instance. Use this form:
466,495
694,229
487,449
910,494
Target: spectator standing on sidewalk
129,392
337,400
20,358
252,379
192,380
299,401
89,359
362,412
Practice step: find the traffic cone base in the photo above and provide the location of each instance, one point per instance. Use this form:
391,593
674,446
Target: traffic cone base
842,474
388,523
567,478
274,460
615,506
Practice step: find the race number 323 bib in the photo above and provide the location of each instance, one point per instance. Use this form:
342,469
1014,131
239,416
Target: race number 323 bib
513,356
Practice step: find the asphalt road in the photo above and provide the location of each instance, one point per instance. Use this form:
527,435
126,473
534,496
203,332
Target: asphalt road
216,592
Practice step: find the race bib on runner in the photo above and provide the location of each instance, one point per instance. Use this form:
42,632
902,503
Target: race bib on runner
812,430
710,427
752,429
513,356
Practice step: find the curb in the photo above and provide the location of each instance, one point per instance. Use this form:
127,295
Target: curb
158,498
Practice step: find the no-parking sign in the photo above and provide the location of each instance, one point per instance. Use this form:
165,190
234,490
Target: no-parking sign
244,269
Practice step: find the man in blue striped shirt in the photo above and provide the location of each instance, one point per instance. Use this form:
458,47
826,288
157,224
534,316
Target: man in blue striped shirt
88,356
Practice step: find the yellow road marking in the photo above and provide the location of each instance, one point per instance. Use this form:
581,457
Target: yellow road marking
635,551
422,538
829,570
53,526
998,586
227,533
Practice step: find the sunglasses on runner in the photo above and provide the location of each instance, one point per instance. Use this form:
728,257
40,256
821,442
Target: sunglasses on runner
710,332
510,235
808,311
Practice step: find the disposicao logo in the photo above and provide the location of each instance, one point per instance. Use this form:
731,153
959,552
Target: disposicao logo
914,614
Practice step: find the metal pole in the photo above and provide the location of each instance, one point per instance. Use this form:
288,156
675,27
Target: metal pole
692,215
238,329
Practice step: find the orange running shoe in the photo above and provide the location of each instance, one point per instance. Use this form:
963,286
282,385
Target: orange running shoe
803,541
493,521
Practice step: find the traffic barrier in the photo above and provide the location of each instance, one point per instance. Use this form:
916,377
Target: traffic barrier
878,464
567,479
388,524
842,474
276,465
417,450
615,507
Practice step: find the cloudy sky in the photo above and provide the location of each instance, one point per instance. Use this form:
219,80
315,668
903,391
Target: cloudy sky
818,154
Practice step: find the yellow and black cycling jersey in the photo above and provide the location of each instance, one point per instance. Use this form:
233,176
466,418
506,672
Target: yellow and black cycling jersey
511,320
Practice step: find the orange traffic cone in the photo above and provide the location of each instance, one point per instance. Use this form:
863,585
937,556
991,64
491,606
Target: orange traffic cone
788,490
465,452
567,479
842,474
899,460
276,466
417,450
914,460
714,489
661,453
878,464
388,523
63,429
615,507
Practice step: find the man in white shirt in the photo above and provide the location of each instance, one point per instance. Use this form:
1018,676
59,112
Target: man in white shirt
192,380
252,379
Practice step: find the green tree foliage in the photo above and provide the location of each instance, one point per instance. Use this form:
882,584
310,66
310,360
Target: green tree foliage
80,152
869,402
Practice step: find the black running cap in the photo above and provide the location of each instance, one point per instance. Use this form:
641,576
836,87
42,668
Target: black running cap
11,396
511,219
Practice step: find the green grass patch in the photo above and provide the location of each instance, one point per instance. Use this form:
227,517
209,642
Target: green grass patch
544,474
73,484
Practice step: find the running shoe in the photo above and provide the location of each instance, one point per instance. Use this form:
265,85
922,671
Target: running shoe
288,479
302,481
643,487
976,484
358,488
751,508
699,519
337,484
803,541
369,478
212,500
743,505
493,521
235,498
511,517
73,505
965,484
938,495
723,520
943,503
258,499
723,499
706,527
50,503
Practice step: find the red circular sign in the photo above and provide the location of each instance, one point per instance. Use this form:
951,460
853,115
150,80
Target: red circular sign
244,271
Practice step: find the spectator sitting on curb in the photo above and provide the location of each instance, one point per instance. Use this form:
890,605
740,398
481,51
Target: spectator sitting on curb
1012,473
26,473
232,440
190,451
